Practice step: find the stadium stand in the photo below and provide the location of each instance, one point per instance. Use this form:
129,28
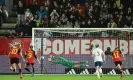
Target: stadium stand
67,14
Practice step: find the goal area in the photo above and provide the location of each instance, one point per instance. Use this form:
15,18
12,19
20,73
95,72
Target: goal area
73,44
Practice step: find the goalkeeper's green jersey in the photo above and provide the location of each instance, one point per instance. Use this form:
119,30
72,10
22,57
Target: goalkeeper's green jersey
63,61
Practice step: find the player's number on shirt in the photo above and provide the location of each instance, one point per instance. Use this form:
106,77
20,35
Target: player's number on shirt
14,51
116,55
98,53
29,55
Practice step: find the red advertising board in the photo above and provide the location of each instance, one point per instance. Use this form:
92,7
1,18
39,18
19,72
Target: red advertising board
4,44
68,46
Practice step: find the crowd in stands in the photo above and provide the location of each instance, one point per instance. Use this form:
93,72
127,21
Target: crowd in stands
91,14
31,16
73,14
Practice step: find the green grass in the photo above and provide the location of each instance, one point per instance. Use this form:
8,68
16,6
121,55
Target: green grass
63,77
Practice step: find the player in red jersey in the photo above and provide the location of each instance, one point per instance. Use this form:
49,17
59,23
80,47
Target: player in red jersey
117,58
30,60
12,66
14,58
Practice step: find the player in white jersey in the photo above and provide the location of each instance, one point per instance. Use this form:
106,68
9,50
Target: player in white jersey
99,57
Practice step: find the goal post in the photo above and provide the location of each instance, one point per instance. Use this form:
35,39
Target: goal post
73,44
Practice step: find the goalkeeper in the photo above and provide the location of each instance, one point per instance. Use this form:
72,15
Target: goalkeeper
67,63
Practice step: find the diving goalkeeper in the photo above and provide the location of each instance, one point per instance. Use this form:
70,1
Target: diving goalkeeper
67,63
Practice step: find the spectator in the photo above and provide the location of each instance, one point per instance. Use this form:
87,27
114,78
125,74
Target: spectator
27,20
63,19
34,7
61,9
45,21
71,14
97,10
17,27
112,24
36,20
120,21
80,10
20,11
46,11
41,12
104,9
54,16
128,21
86,9
45,2
41,23
95,13
77,25
68,25
3,13
74,15
28,14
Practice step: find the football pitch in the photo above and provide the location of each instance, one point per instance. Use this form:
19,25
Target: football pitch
65,77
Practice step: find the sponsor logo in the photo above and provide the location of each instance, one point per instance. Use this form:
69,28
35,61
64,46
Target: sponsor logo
109,71
60,46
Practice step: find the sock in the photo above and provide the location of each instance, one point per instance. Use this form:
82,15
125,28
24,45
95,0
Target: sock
100,71
20,72
27,69
97,72
121,71
33,70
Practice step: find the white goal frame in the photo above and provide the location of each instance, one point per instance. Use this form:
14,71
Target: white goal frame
93,29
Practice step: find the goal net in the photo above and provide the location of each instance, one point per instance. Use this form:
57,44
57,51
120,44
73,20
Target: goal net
74,45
